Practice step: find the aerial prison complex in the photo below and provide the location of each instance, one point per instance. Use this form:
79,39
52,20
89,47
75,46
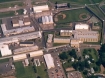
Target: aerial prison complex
16,39
81,33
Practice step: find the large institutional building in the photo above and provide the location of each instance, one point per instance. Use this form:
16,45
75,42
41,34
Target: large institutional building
49,61
81,33
87,36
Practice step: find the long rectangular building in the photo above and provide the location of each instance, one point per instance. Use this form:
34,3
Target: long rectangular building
5,50
16,30
87,36
49,61
84,36
21,37
61,40
36,53
25,49
19,57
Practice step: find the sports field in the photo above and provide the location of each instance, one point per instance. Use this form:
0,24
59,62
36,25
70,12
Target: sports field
72,16
24,72
12,4
7,14
77,1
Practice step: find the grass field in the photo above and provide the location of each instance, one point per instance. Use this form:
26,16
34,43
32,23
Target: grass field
24,72
92,52
4,60
7,5
76,1
70,16
41,71
103,8
6,0
96,11
20,12
7,14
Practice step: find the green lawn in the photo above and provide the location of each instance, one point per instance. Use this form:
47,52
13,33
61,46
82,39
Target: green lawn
73,1
91,52
96,11
71,15
20,12
0,21
7,5
7,14
41,71
6,0
24,72
4,60
76,1
103,8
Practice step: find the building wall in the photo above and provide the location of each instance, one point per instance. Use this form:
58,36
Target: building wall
89,39
66,33
16,25
36,53
75,43
82,27
40,8
19,57
61,40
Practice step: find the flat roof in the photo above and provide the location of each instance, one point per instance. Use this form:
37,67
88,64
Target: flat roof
23,37
15,20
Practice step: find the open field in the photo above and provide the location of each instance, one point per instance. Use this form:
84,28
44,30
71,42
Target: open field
24,72
1,1
41,71
97,11
12,4
20,11
103,8
72,16
7,14
4,60
76,1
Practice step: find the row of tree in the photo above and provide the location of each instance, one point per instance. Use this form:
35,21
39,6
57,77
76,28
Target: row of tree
64,55
102,55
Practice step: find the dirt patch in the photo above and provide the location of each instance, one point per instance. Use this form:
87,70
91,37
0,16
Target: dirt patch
64,16
102,69
81,16
60,14
70,69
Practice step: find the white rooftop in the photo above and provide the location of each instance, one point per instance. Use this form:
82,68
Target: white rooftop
49,61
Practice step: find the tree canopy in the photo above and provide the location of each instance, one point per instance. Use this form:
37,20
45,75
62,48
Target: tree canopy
63,56
102,54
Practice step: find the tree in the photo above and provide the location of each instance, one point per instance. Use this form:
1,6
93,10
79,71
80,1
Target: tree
75,65
34,69
85,72
85,52
81,65
87,64
98,63
63,56
95,68
102,54
73,53
38,77
93,76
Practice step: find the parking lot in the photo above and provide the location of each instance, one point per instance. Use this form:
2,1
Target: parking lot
58,71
